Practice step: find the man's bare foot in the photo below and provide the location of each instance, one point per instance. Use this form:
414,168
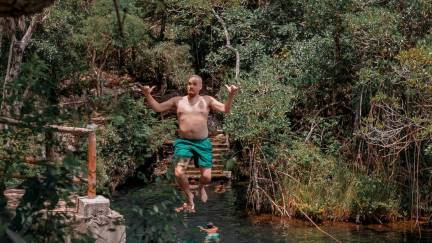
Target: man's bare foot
181,208
190,209
189,205
203,194
186,208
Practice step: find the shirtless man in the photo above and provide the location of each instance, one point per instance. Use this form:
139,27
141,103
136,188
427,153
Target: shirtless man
212,232
193,144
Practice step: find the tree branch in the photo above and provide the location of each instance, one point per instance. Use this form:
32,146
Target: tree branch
228,44
16,53
120,24
30,30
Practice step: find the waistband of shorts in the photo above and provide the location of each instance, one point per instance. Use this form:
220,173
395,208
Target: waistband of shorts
194,140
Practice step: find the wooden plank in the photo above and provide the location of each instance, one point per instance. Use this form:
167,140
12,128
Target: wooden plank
58,128
215,166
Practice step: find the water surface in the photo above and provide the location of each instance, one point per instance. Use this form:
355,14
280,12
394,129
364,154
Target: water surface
226,211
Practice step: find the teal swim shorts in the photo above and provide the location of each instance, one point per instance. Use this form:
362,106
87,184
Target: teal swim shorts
213,236
200,150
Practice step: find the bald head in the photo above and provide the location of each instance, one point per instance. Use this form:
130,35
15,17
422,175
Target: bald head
194,85
196,77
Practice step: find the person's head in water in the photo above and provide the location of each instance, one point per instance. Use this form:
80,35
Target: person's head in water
210,225
194,85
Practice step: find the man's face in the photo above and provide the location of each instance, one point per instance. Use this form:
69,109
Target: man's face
194,86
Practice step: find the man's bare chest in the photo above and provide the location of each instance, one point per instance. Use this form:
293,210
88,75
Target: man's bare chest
199,106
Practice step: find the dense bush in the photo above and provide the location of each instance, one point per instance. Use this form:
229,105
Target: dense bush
131,137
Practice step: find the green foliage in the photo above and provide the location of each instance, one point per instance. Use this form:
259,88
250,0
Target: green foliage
335,74
374,33
101,31
340,60
326,189
45,185
43,192
415,21
311,61
168,58
375,199
131,137
55,43
322,16
261,108
254,35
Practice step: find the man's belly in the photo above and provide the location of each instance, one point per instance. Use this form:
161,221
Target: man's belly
193,127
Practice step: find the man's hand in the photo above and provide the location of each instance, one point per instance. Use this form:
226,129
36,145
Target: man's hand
232,89
146,89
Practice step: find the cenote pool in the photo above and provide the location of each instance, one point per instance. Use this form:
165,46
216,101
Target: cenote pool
226,211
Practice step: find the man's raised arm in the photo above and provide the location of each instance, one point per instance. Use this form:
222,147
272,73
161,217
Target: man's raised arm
226,107
156,106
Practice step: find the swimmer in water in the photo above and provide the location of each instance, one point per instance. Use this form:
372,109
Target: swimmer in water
212,232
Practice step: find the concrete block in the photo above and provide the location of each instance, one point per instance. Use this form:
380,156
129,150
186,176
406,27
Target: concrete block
91,207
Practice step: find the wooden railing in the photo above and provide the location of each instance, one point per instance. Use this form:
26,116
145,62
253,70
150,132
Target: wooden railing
91,152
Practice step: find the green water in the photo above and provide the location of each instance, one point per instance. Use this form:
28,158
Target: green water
226,211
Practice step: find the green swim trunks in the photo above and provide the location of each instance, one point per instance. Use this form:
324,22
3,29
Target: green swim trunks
213,236
200,150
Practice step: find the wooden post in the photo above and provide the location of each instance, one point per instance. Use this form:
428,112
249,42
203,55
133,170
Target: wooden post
91,160
91,153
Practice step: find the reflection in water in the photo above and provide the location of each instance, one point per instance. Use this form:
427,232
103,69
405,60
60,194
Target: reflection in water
225,209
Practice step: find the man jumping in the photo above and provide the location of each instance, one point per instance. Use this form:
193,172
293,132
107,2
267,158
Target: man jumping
193,143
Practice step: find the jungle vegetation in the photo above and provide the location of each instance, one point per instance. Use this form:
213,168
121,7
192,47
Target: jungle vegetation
333,119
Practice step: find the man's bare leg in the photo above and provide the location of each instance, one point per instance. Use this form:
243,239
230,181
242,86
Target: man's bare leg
183,182
204,179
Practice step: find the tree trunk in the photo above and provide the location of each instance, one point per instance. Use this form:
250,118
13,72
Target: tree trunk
49,147
4,109
1,38
162,27
16,53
